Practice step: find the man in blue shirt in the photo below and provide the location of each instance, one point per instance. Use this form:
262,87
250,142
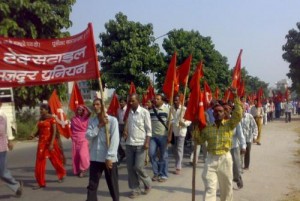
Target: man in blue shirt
103,157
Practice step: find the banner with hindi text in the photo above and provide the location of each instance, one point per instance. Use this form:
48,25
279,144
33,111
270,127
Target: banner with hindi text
28,62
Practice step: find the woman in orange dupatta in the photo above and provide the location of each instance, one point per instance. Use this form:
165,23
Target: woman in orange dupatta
48,147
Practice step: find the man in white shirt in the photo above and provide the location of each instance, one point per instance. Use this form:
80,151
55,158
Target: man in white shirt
288,108
250,132
179,129
6,144
137,134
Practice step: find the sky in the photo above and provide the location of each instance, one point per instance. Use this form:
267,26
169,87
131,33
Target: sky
258,27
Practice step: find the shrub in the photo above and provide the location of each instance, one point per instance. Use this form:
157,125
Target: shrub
26,124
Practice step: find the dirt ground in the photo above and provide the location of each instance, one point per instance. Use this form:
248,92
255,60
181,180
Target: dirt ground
294,195
274,173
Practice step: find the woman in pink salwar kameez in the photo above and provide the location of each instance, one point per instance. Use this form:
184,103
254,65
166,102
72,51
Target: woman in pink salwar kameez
80,145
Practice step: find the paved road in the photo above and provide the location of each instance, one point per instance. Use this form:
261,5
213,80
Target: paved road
272,174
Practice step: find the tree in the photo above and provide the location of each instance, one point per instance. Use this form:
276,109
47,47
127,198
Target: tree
292,55
127,54
216,71
35,19
252,84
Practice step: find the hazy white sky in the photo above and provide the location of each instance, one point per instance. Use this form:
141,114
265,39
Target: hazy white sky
258,27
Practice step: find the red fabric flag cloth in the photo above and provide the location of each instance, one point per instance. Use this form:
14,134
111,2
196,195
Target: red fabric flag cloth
132,89
144,99
195,108
259,96
150,93
201,113
280,96
63,125
207,95
217,91
113,106
227,96
76,98
237,72
170,79
183,70
241,89
194,80
30,62
287,94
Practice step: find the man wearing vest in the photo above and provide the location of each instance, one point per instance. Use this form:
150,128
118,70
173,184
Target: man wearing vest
159,115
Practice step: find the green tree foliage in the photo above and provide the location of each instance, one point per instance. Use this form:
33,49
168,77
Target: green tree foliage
292,55
127,54
252,84
216,71
35,19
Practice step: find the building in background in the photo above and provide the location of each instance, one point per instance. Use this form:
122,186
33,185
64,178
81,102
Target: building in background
8,106
282,85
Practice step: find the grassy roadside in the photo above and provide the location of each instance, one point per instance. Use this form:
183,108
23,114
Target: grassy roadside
294,194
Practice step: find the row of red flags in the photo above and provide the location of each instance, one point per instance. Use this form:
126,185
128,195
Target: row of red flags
198,102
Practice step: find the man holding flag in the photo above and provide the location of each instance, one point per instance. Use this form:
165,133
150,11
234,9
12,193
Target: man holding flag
218,166
103,155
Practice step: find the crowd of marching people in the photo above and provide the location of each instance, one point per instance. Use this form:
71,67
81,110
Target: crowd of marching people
139,133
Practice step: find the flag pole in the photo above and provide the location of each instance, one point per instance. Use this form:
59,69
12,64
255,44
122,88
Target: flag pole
102,113
184,94
194,164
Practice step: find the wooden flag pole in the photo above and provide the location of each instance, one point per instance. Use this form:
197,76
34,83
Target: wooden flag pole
194,163
183,102
100,86
171,104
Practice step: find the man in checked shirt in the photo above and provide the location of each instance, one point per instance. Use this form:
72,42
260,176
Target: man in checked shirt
218,166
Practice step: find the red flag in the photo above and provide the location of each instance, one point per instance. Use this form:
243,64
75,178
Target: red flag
63,125
237,72
287,94
217,94
241,89
195,107
193,103
113,106
227,96
144,100
194,80
150,93
259,96
170,79
207,95
183,70
132,89
76,98
29,62
201,112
